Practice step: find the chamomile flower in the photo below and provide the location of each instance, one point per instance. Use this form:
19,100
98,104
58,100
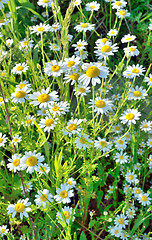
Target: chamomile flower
44,168
130,116
144,199
116,231
149,142
3,230
24,44
16,139
82,54
55,27
124,236
3,74
101,106
48,124
118,4
31,161
69,37
123,13
128,38
116,97
64,194
20,68
72,76
93,72
21,207
43,198
121,221
137,93
40,29
117,128
84,27
67,211
9,42
43,98
120,143
53,68
19,96
93,6
28,121
14,162
140,151
106,49
54,47
80,45
23,85
73,127
71,182
2,100
113,32
131,177
42,112
77,2
110,190
71,63
102,145
45,3
146,126
82,141
121,157
131,51
148,80
59,108
81,90
130,213
28,187
134,71
137,166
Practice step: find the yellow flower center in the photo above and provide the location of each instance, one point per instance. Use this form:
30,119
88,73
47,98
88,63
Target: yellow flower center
112,32
21,85
131,177
63,194
19,207
137,93
93,72
116,231
122,12
135,70
100,104
121,221
81,90
121,157
43,98
150,143
20,94
70,63
48,122
55,68
13,108
66,214
3,74
19,68
74,76
104,40
83,140
42,169
106,48
40,29
130,116
31,161
72,127
69,182
76,2
1,99
28,121
2,21
25,43
144,198
55,27
150,79
118,3
44,198
16,162
138,191
79,45
120,141
92,7
16,139
55,108
81,52
132,49
84,25
27,186
117,128
1,140
3,230
55,47
103,143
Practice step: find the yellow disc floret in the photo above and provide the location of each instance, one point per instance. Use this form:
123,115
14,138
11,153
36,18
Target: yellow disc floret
20,94
63,194
84,25
130,116
135,70
106,48
137,93
19,68
72,127
48,122
74,76
71,63
31,161
19,207
100,104
16,162
44,98
66,214
43,197
55,68
121,221
93,72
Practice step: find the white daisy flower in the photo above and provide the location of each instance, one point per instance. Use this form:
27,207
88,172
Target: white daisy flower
140,151
146,126
73,127
80,45
82,141
23,85
103,41
148,80
128,38
106,49
137,93
53,68
43,198
131,213
9,42
121,221
113,32
21,207
28,121
77,2
2,100
123,13
149,142
137,191
24,44
48,124
131,177
20,68
120,143
110,190
42,112
14,162
54,47
84,27
131,51
28,187
102,106
117,128
31,161
19,96
130,116
81,90
150,158
124,236
93,6
67,211
119,4
44,168
3,230
3,73
59,108
16,139
55,27
64,194
39,29
116,231
69,37
144,199
121,157
71,182
45,3
72,76
137,166
102,145
134,71
82,54
93,72
34,18
116,97
43,98
71,63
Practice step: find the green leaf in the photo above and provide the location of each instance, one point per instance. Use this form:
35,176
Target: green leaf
83,236
138,222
